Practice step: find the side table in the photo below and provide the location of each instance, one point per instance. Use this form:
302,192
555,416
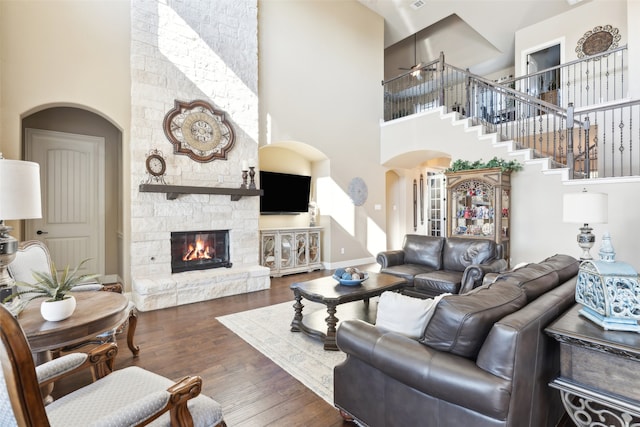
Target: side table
599,372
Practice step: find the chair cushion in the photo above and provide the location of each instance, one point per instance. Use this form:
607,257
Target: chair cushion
459,253
403,314
423,250
7,419
461,323
120,389
407,271
438,282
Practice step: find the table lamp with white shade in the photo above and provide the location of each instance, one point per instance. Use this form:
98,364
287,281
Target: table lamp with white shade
585,208
19,199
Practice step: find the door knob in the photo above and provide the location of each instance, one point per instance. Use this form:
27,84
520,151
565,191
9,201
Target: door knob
39,232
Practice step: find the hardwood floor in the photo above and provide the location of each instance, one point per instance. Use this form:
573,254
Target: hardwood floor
253,391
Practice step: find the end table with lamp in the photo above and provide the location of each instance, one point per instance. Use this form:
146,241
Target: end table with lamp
600,344
585,208
19,199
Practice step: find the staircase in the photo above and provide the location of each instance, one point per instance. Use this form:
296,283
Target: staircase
594,136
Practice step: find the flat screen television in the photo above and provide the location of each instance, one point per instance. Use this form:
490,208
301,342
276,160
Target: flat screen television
284,193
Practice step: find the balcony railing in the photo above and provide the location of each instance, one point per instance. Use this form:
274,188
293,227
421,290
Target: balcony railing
591,140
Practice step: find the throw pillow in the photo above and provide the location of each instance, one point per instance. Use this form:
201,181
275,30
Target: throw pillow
404,314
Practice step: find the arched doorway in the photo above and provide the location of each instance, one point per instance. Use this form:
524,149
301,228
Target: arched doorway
77,143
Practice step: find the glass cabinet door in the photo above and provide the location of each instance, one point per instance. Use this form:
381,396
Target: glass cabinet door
478,205
314,247
301,249
474,209
269,250
287,255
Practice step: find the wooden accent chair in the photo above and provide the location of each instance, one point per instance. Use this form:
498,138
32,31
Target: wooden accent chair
130,396
33,255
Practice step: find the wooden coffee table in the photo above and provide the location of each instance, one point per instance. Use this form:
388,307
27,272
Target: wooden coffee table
354,301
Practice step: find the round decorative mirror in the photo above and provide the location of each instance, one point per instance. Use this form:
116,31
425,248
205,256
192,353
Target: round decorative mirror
598,40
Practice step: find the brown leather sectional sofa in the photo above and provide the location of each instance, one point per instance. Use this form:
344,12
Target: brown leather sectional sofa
483,359
436,265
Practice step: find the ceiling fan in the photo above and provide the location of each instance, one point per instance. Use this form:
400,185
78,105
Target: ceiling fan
417,67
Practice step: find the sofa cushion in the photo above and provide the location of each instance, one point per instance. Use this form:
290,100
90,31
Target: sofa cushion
407,271
566,266
438,282
424,250
403,314
534,279
461,323
458,253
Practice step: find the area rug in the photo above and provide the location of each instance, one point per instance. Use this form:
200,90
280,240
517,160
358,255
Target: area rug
268,330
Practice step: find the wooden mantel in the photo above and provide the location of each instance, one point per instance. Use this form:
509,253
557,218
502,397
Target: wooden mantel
173,191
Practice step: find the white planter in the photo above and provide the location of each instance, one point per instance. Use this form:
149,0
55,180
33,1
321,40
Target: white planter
54,311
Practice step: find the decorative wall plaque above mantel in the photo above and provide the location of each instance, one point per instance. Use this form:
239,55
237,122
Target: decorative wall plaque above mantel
198,130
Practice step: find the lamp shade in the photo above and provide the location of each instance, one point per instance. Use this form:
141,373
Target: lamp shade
585,208
19,190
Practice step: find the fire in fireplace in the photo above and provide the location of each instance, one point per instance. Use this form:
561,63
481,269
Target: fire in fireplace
199,250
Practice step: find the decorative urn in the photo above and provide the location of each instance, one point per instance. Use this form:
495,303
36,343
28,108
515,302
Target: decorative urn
609,291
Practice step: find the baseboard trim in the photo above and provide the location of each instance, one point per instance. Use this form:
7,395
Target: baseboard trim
348,263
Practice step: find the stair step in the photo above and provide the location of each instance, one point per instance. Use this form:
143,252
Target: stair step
527,155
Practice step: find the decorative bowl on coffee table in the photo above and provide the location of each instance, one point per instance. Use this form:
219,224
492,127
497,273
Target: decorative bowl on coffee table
351,282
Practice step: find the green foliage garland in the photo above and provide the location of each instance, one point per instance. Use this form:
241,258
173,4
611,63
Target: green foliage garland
463,165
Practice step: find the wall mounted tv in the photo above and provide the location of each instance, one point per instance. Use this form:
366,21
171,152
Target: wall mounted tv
284,193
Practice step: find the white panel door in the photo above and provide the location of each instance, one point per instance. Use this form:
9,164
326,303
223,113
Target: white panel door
73,208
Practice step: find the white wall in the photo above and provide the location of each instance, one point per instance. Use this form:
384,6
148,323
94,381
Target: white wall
320,70
72,53
570,27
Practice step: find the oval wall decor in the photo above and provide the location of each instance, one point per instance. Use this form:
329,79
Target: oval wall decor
358,191
598,40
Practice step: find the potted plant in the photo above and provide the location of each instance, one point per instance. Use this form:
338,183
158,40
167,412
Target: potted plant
55,288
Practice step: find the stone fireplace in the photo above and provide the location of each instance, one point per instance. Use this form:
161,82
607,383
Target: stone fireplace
199,250
176,56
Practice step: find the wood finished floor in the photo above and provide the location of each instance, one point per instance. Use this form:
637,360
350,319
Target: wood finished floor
252,390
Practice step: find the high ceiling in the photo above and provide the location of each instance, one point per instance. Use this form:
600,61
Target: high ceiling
475,34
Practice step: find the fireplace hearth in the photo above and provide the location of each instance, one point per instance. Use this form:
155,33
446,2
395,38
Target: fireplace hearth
199,250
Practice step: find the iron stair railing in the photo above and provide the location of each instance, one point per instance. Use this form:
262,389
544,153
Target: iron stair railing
578,137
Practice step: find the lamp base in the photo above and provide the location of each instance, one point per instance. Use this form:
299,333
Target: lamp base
8,249
586,239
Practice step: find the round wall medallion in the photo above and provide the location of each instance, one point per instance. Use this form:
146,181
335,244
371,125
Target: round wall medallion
199,131
358,191
598,40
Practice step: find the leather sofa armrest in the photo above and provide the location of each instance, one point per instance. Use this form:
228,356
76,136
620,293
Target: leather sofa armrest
474,274
440,374
359,338
389,258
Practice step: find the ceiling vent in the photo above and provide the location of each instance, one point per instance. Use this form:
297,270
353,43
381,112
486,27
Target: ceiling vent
417,4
